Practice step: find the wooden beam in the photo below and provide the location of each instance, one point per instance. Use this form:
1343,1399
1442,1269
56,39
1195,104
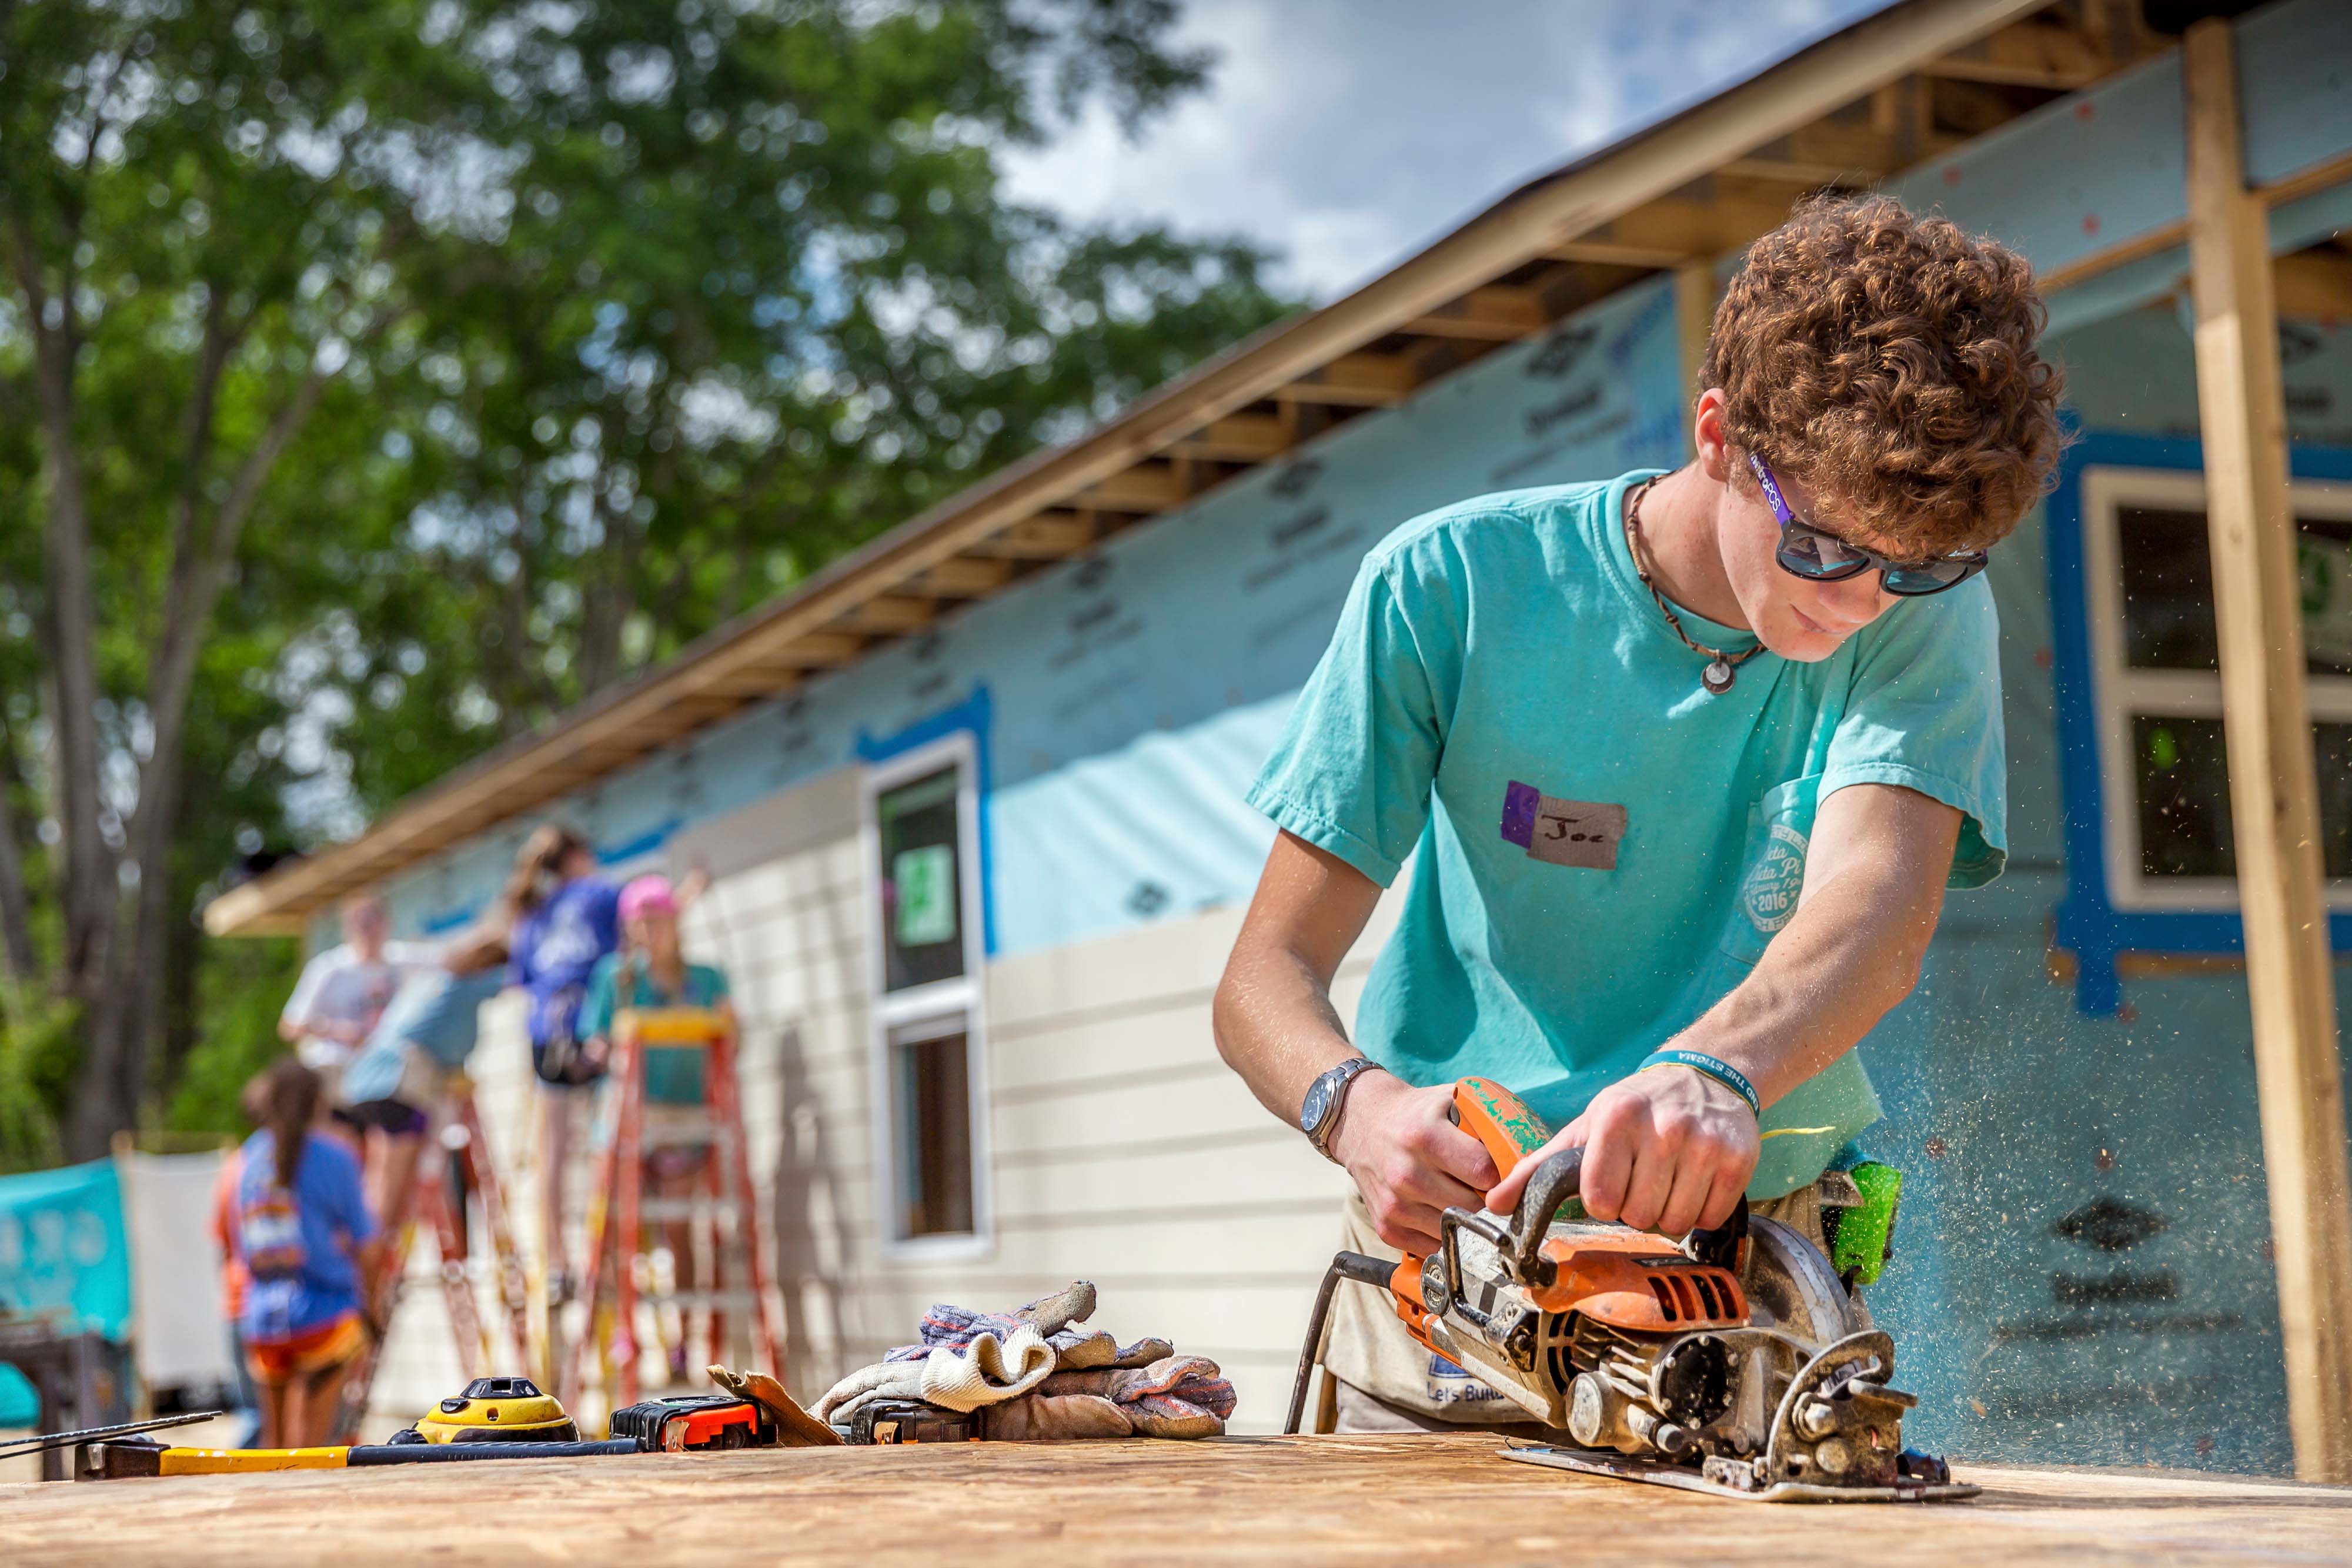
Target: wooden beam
1360,381
608,750
1496,314
1695,292
1238,438
1841,153
2137,248
1800,176
1688,228
1147,488
2035,53
812,650
1609,253
2273,785
657,731
2325,175
961,577
2314,284
749,682
887,615
1048,535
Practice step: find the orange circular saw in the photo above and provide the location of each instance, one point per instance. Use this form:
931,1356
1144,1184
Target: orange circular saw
1732,1362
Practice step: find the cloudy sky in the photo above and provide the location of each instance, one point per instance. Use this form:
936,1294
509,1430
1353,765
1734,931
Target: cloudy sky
1348,134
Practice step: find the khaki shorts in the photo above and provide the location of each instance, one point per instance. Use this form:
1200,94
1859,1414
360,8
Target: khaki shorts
1390,1382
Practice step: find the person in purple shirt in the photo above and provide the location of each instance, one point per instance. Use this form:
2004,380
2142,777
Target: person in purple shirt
566,919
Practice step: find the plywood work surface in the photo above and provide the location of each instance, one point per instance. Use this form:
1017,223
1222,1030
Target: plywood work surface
1418,1500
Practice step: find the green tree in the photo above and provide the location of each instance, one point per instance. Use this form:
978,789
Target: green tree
756,294
386,377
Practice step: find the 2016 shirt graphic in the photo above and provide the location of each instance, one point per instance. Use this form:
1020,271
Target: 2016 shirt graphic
1770,892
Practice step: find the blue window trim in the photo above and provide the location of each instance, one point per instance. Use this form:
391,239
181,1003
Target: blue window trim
2087,923
971,716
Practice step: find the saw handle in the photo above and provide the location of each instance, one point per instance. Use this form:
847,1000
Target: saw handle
1501,1121
1520,1242
1555,1181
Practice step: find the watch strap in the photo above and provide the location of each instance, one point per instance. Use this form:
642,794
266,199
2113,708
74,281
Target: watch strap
1341,1078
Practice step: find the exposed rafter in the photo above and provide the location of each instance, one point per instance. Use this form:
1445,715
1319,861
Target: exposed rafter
1496,314
1239,438
1048,535
1360,381
2316,284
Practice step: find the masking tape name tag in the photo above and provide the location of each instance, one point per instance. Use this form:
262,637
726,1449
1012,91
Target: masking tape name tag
1582,834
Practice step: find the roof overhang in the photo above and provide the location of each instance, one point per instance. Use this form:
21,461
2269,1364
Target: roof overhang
1891,90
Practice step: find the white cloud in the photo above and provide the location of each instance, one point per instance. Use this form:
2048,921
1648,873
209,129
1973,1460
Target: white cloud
1348,134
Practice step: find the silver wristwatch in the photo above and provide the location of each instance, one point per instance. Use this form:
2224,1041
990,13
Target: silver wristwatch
1318,1117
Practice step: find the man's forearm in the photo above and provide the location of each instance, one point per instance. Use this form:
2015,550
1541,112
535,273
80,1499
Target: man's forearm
1275,1026
1850,953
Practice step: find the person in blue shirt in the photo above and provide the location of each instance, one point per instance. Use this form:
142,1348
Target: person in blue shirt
425,1038
305,1241
651,971
1682,763
566,919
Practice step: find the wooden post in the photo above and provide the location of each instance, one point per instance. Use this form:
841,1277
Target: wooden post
2273,788
1694,321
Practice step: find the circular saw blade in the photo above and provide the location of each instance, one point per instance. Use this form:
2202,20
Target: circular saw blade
1791,1286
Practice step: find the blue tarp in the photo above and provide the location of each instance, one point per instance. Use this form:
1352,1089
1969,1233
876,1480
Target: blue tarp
62,1250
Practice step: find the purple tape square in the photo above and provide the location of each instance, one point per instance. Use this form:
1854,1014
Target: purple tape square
1521,802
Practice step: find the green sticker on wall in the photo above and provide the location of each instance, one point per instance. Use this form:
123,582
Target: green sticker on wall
2324,566
924,878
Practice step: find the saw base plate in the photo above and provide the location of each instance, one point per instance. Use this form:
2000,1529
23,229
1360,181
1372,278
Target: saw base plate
1624,1468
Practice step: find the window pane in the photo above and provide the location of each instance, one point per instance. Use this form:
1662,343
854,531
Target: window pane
2184,797
2168,589
2168,571
932,1118
922,881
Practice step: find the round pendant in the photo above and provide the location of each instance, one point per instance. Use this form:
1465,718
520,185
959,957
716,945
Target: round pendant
1717,677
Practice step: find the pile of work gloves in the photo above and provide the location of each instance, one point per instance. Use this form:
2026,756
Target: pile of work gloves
1036,1377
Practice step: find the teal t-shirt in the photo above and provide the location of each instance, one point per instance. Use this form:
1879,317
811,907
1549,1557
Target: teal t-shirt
1600,849
673,1074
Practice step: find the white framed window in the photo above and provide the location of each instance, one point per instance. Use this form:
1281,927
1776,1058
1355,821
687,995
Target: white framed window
927,1034
2170,842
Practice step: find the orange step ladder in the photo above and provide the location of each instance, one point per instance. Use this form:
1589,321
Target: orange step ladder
725,1215
455,1132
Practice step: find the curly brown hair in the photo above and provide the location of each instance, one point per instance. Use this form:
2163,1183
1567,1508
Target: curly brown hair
1888,362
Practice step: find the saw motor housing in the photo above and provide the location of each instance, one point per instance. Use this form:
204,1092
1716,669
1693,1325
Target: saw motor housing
1613,1348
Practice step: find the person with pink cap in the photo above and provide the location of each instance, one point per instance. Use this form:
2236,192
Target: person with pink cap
650,971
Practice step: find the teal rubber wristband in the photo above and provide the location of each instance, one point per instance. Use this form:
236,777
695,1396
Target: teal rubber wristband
1722,1071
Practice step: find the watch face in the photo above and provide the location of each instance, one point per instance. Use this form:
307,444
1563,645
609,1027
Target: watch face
1318,1098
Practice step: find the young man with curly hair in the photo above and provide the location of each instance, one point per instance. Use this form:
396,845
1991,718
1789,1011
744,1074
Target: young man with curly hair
1681,762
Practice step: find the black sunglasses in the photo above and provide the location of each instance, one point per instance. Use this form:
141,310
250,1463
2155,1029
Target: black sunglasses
1817,555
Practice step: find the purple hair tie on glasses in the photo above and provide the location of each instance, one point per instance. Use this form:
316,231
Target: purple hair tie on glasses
1817,555
1763,472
